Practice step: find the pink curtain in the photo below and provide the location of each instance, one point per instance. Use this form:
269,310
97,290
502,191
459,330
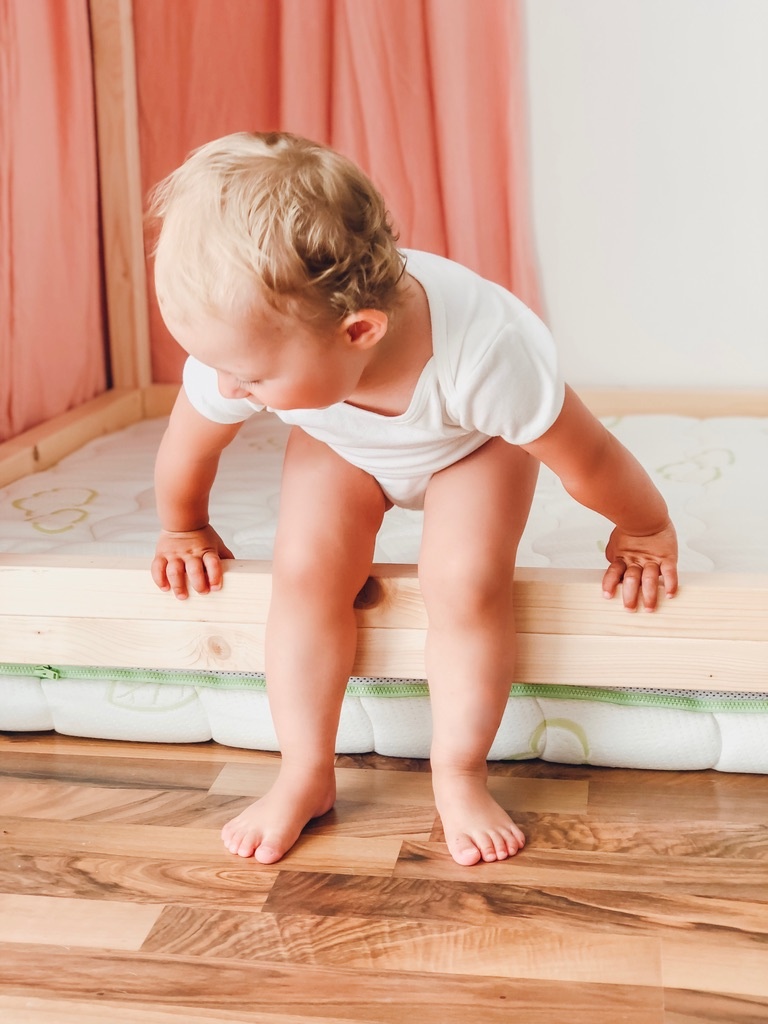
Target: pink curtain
51,339
426,95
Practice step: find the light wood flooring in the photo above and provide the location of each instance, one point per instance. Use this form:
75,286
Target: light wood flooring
641,897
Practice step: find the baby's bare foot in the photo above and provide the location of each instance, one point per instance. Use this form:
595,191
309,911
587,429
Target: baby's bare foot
476,828
268,828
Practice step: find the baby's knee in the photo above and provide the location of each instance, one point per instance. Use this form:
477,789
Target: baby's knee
297,567
300,573
465,589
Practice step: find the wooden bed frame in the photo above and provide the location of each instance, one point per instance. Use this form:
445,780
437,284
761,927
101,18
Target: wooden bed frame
107,612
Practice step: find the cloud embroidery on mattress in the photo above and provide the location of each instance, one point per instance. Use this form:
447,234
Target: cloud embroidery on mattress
148,697
56,510
546,728
702,468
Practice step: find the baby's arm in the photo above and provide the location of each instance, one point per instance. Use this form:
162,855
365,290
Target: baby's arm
599,472
189,551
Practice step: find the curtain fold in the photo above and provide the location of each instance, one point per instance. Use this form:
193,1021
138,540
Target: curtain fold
51,335
204,68
426,95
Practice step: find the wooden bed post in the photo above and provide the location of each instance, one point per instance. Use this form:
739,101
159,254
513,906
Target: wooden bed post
132,395
114,72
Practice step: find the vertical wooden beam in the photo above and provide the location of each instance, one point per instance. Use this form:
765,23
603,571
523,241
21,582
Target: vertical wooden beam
114,70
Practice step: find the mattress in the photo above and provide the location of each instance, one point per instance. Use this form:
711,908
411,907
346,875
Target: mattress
99,501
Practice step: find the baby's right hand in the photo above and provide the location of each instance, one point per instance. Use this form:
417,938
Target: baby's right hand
192,557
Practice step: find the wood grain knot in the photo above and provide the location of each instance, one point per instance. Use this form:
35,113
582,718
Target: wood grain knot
371,594
218,647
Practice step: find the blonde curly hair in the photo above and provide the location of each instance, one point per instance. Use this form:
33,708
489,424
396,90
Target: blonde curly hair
273,215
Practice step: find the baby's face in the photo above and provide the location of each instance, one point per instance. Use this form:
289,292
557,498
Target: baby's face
274,359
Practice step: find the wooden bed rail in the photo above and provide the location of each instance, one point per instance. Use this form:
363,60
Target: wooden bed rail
106,611
43,446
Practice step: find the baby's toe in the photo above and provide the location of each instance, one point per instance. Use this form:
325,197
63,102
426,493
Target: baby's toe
501,845
238,841
268,852
465,851
491,847
231,838
509,841
247,845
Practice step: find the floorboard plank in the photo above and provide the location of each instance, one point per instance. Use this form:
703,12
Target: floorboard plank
509,949
79,746
155,773
633,835
725,963
136,879
686,1006
375,997
310,852
711,796
63,801
72,922
19,1010
731,878
607,910
23,1010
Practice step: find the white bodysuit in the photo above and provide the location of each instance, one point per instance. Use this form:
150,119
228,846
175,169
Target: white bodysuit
493,373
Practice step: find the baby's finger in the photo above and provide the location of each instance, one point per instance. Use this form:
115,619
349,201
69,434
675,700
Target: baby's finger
197,575
158,573
213,569
176,572
612,577
630,587
669,575
650,585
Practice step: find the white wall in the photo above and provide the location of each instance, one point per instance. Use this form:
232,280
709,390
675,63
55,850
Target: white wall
649,136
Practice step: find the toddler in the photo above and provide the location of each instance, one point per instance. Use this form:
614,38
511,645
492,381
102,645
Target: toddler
408,380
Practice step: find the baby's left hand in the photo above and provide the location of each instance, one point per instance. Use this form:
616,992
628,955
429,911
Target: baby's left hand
638,563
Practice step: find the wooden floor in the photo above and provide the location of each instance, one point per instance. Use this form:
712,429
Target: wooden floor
641,897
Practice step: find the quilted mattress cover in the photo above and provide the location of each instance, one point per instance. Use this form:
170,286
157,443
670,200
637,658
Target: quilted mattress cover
99,501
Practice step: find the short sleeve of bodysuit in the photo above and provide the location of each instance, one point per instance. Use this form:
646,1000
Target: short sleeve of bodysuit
512,389
202,390
497,361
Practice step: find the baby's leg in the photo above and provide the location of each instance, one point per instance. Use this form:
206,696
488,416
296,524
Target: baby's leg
474,514
330,513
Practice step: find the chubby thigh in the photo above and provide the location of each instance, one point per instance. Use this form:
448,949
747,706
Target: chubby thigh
475,512
330,513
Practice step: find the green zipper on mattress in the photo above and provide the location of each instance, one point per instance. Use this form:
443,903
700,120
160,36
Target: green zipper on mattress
637,698
137,675
360,687
217,681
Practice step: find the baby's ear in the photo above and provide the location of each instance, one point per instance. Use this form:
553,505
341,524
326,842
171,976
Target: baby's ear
366,327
